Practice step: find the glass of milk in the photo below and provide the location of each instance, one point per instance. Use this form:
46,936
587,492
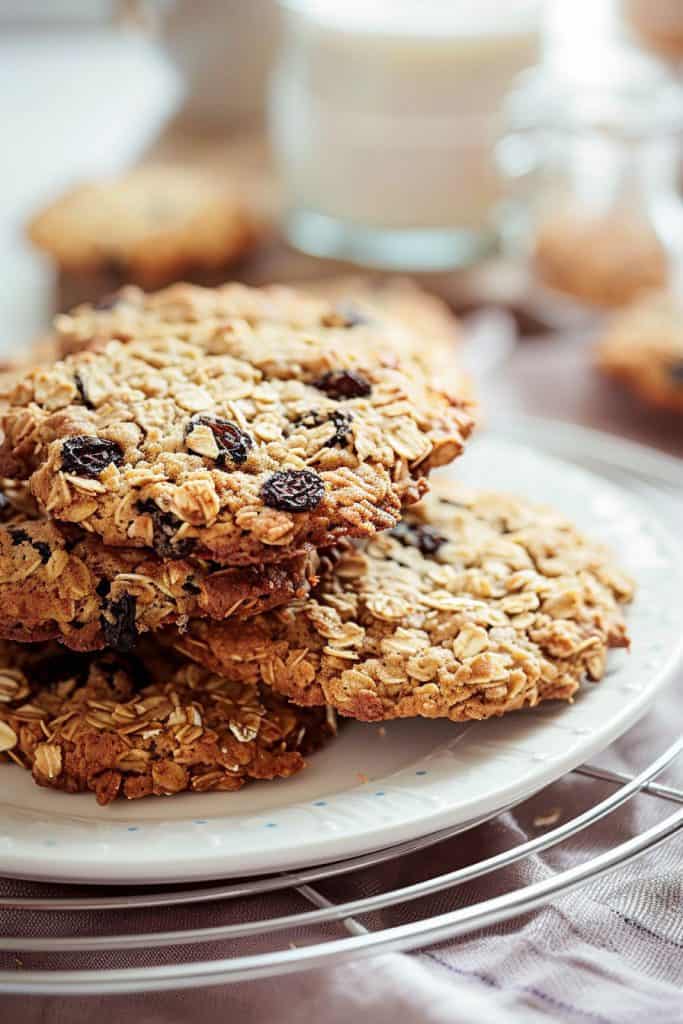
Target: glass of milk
384,116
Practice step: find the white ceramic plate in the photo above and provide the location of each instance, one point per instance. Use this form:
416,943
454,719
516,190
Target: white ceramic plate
373,787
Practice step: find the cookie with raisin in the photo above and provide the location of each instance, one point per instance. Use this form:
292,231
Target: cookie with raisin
58,582
415,325
128,727
247,437
422,325
476,604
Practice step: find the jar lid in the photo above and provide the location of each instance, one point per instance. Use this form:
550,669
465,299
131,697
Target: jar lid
627,95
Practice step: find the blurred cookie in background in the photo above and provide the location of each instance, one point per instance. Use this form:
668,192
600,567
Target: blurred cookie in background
152,226
605,260
642,346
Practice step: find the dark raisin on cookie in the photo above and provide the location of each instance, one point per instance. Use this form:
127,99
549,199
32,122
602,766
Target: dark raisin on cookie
341,420
311,419
165,527
43,550
293,490
20,536
232,442
340,384
103,587
80,387
191,588
675,372
342,424
87,456
71,542
118,623
425,538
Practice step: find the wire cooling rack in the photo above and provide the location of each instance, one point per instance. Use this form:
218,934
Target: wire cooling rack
63,940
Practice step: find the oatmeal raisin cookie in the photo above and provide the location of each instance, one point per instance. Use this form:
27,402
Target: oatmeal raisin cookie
254,437
474,605
60,583
123,727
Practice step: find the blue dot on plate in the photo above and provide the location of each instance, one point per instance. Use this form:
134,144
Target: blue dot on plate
50,842
320,803
133,828
200,821
421,772
271,824
380,792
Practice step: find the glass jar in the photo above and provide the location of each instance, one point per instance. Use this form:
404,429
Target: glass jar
593,204
384,118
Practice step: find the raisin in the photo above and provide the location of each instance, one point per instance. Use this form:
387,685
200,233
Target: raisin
340,384
80,387
118,623
103,587
42,547
310,419
293,490
232,442
425,538
43,550
675,372
88,456
165,527
191,588
342,424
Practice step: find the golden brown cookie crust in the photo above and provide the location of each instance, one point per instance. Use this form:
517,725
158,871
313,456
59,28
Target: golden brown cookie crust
131,728
255,437
424,327
476,605
59,583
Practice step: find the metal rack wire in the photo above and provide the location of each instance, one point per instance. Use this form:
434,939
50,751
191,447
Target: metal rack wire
326,909
359,940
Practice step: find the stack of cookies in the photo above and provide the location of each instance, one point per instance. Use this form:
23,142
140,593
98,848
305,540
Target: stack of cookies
216,537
